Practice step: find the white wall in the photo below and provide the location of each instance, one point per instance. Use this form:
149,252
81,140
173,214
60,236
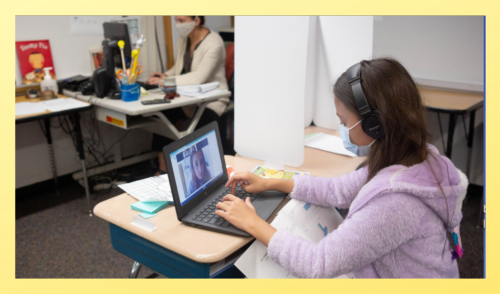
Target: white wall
447,51
70,53
215,23
443,48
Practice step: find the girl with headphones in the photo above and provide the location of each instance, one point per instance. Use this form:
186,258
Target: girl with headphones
404,203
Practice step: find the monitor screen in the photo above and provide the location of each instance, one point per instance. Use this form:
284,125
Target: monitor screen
196,166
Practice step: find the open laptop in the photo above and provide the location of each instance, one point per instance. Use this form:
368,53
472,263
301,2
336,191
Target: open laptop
198,175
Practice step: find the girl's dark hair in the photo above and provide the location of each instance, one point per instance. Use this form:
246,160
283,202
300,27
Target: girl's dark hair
202,19
390,90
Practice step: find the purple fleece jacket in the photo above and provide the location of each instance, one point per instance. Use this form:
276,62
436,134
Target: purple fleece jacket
395,227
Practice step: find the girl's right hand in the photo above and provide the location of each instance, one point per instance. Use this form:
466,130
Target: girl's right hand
248,181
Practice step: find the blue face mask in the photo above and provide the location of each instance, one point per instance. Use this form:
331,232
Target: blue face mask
358,150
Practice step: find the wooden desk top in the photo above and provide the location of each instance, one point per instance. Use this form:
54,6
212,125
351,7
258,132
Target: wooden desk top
199,245
450,101
205,246
24,99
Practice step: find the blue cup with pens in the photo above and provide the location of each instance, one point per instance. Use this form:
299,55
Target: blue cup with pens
129,90
130,93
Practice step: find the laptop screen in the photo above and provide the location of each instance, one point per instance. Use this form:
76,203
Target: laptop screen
196,166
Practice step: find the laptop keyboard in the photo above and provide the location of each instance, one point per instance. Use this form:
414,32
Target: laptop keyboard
207,214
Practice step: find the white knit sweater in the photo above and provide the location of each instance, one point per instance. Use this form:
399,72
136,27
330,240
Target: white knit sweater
207,66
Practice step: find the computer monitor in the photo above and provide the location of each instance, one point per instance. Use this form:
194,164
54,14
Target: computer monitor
105,82
117,32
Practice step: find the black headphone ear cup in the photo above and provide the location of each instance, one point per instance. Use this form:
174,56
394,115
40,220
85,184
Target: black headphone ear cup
372,126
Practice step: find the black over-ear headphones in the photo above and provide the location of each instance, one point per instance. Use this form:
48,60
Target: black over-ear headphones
370,120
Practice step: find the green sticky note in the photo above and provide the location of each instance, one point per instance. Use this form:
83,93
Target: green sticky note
149,206
147,215
310,135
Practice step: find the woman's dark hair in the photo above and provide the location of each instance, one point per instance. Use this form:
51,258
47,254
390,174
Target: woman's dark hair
202,19
390,90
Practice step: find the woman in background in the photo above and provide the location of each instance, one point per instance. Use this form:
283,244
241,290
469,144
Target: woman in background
200,59
199,169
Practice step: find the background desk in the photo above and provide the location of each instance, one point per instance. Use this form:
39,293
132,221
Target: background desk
176,250
130,115
456,104
46,116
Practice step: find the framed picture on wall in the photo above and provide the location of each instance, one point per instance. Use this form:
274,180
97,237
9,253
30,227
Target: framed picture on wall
95,58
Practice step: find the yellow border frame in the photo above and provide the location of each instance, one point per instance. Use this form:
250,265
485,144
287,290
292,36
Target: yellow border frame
255,7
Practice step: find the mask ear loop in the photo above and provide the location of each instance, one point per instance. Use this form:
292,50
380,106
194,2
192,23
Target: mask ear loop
354,125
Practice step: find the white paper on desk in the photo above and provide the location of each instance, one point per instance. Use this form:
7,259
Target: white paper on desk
143,224
300,218
61,104
25,108
197,89
328,143
150,189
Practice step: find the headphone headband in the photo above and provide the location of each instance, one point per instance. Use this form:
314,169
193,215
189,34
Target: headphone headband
354,77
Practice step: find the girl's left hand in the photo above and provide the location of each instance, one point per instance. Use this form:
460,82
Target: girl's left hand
238,212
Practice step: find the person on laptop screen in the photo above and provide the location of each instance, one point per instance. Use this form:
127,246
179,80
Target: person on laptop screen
200,174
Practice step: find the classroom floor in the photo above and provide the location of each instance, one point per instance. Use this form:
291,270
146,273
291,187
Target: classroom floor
55,237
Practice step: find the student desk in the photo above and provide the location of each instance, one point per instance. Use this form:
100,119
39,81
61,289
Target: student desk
179,251
131,115
454,104
75,120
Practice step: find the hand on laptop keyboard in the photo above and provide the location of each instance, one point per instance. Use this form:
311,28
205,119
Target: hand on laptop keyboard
248,181
239,213
207,215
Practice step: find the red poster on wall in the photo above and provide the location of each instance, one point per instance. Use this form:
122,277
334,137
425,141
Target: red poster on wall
33,57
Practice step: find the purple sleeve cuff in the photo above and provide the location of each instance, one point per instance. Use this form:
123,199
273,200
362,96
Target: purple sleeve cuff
275,246
300,187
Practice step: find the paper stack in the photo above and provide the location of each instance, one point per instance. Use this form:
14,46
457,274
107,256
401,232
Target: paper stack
200,91
150,189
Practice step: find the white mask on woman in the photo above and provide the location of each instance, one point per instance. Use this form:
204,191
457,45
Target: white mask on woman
185,28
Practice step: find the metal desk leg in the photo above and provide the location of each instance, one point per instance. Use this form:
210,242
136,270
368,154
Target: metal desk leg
470,142
48,136
79,142
480,223
173,133
136,267
451,131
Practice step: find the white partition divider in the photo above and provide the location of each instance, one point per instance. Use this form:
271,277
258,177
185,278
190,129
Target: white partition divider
310,81
340,41
270,60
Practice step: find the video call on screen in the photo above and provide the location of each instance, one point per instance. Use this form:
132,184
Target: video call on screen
196,166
